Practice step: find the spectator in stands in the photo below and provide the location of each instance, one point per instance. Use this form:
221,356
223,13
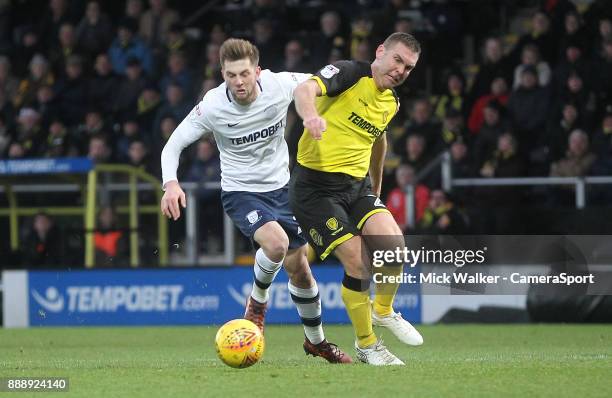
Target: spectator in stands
99,149
578,159
499,92
462,165
559,129
577,91
46,105
602,138
71,92
163,131
493,65
504,162
330,37
604,33
148,105
155,24
138,156
16,150
574,62
454,96
493,127
295,58
5,137
174,104
58,55
110,241
541,35
95,31
205,169
130,131
453,130
29,132
361,33
58,14
134,9
91,125
415,152
104,84
602,68
531,56
8,82
128,46
528,107
7,111
269,45
42,246
573,32
212,64
58,143
177,41
29,45
602,145
40,74
421,122
129,88
442,216
178,72
396,200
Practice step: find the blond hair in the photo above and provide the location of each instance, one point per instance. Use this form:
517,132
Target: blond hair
237,49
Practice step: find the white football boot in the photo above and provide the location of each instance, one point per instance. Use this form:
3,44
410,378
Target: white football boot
401,328
377,355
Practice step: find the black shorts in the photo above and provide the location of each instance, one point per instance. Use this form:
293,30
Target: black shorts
331,207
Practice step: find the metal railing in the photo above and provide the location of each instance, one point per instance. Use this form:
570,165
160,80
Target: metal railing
444,162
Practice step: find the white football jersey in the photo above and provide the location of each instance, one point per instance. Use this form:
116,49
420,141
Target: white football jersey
250,138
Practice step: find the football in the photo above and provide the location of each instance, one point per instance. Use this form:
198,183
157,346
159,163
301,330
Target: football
239,343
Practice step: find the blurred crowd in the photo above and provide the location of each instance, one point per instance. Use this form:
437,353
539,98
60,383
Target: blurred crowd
510,88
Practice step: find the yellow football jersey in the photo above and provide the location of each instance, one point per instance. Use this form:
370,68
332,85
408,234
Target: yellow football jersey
356,112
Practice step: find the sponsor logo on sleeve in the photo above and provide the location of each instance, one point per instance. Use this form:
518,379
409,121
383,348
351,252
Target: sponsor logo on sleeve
329,71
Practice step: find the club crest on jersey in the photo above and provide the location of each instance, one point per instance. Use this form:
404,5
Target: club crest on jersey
253,216
329,71
270,112
316,237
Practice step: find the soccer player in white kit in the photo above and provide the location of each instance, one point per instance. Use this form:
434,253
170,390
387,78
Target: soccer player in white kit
247,115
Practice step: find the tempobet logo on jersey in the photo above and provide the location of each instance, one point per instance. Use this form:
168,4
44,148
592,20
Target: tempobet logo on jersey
258,135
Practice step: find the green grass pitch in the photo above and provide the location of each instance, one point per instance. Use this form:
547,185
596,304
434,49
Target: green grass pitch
455,361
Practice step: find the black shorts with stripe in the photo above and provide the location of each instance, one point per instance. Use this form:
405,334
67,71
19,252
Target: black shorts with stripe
331,207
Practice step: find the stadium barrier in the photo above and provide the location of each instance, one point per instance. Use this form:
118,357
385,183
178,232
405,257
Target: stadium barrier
14,176
443,161
183,296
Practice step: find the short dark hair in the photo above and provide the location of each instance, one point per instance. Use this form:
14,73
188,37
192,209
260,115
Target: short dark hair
406,39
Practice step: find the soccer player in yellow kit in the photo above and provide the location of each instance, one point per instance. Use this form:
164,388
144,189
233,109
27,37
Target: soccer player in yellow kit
335,186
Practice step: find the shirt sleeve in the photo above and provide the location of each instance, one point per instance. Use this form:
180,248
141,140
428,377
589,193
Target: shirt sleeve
190,130
340,76
290,80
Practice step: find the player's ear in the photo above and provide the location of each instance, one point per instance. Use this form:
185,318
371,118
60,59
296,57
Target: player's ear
380,51
257,71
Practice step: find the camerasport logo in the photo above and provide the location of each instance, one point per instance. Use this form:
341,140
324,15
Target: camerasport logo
144,298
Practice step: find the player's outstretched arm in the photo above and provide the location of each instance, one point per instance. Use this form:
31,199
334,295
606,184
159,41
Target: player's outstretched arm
187,132
305,94
173,197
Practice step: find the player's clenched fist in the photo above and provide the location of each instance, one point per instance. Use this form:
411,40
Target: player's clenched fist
316,126
171,199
